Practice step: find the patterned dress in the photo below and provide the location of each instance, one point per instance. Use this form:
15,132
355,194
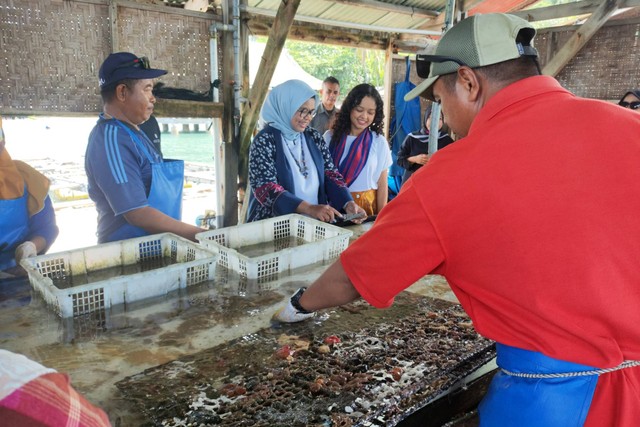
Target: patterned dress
272,181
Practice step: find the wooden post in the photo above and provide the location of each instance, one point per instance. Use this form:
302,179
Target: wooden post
113,26
388,87
246,84
275,43
228,128
581,37
244,51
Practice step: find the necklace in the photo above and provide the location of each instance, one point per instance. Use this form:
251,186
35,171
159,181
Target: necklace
302,164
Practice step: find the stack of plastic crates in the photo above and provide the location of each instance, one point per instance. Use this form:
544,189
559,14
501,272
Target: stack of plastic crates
294,241
95,278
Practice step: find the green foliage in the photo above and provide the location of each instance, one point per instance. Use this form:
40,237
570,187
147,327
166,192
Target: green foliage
351,66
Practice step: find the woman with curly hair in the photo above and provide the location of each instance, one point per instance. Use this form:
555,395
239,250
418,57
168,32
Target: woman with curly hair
360,150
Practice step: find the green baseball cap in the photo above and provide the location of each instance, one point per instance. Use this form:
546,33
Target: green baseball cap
476,41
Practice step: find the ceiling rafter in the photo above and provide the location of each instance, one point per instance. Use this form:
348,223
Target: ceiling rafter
568,9
390,7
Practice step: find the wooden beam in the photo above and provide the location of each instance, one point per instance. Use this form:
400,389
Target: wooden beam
470,7
501,6
182,108
315,33
390,7
388,88
156,7
581,37
113,25
275,43
569,9
344,24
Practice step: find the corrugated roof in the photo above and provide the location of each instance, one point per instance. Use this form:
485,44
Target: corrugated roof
408,16
400,14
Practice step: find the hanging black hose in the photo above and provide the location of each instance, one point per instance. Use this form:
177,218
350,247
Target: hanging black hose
160,91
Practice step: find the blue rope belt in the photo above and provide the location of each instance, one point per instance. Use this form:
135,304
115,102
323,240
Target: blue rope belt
623,365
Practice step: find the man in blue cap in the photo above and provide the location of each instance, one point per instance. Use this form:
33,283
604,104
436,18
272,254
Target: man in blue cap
135,190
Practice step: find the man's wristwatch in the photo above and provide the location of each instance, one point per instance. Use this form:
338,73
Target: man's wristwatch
295,301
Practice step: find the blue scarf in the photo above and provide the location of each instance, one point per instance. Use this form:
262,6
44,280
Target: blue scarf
282,103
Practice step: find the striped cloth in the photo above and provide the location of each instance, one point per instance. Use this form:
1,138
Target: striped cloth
32,395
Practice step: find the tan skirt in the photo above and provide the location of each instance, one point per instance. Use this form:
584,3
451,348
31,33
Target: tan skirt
366,200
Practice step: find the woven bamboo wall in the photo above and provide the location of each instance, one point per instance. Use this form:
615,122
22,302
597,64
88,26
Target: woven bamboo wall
52,50
605,68
48,56
178,44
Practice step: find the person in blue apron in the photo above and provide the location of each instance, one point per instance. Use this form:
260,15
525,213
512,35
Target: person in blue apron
135,190
27,220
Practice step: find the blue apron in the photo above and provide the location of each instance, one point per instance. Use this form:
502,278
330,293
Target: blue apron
165,194
14,227
539,402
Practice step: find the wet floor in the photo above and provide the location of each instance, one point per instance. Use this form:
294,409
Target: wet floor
99,350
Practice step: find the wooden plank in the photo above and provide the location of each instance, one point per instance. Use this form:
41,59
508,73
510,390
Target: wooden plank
16,112
275,43
315,33
167,9
113,26
471,7
390,7
350,25
569,9
388,87
581,37
182,108
501,6
610,23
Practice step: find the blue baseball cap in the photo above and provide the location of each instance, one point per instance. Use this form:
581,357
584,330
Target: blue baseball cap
124,65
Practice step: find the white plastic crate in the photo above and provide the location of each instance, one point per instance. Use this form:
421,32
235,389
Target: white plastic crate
98,277
297,241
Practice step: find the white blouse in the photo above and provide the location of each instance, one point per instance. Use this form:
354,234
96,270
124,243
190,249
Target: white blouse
305,188
379,160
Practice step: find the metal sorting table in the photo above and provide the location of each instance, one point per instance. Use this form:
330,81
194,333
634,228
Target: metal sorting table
210,355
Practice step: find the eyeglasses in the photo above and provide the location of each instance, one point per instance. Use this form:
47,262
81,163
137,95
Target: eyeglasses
305,113
632,105
423,63
141,62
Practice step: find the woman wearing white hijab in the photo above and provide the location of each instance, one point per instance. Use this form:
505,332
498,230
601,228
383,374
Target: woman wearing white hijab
290,167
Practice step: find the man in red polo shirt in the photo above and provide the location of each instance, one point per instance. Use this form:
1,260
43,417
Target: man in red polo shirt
535,226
